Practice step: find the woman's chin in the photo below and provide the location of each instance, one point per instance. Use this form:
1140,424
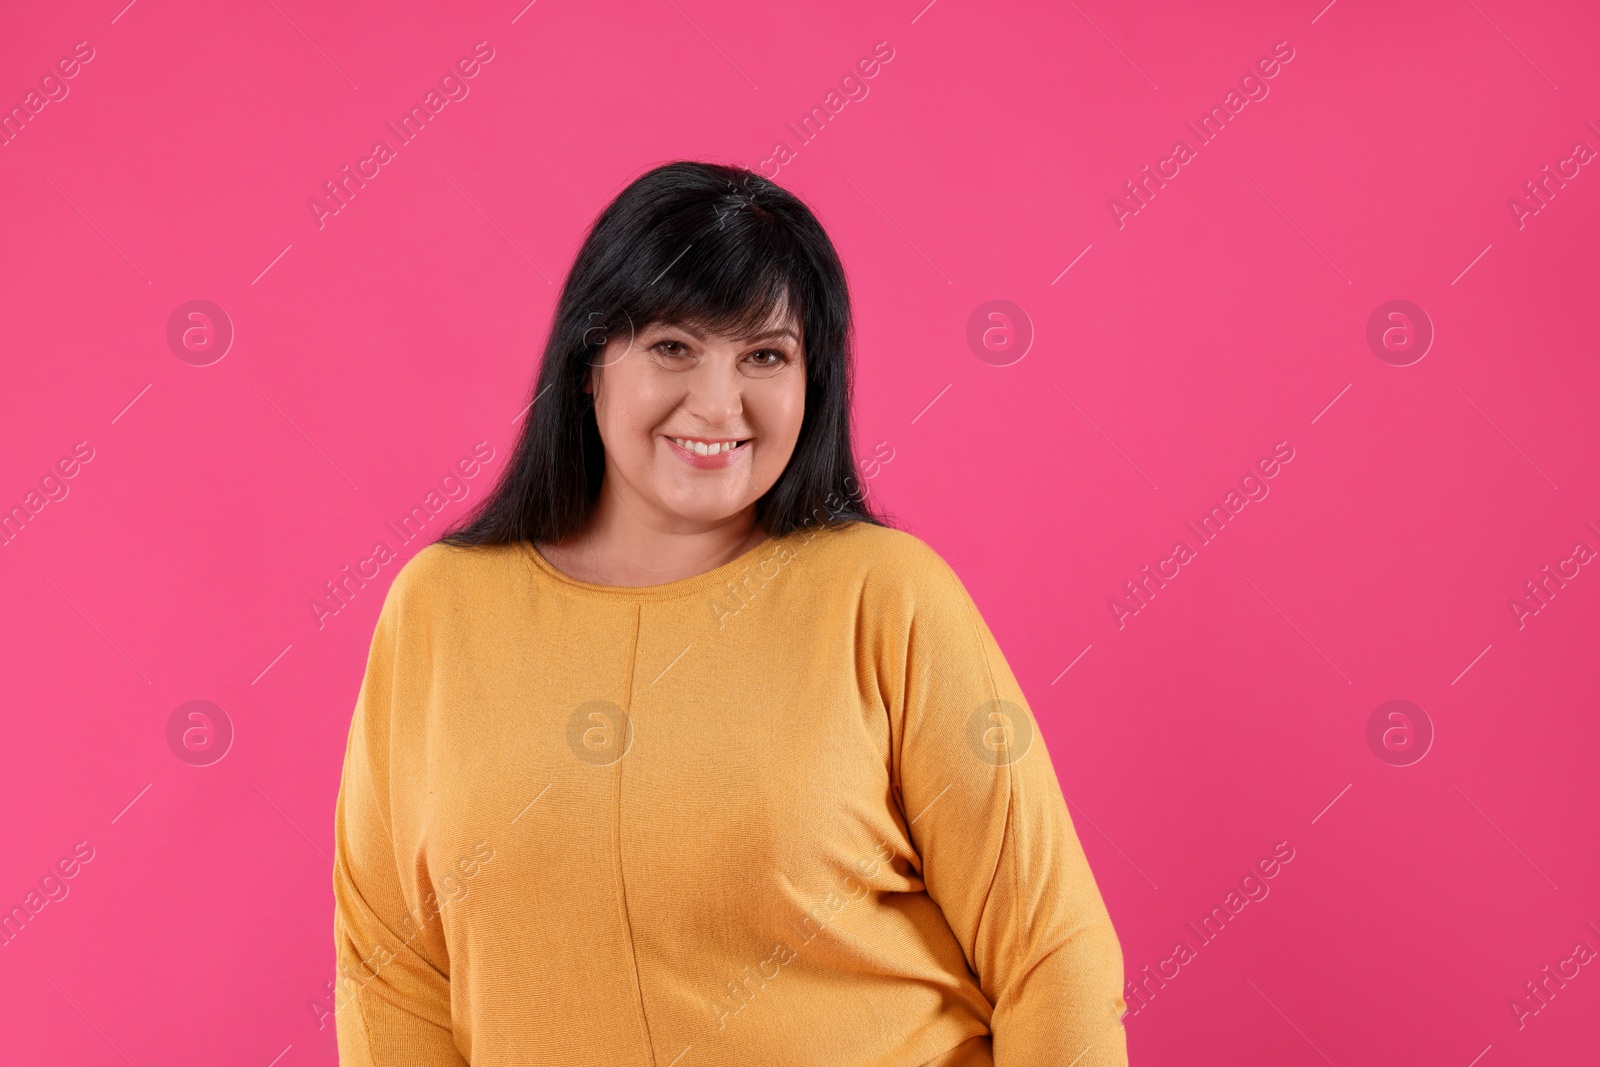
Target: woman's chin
702,508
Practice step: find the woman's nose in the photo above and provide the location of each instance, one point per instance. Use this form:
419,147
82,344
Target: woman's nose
716,392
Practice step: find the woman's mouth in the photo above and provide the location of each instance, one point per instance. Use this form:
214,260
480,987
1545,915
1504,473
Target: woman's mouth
707,453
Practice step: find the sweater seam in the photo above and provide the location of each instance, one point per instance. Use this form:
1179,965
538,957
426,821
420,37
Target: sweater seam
1006,844
366,1031
622,884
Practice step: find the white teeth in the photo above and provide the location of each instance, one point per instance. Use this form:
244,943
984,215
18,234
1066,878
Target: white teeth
703,449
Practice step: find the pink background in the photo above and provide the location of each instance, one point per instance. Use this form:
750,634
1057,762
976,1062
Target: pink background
1228,315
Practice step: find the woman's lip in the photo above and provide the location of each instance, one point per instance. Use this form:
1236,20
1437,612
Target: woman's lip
714,462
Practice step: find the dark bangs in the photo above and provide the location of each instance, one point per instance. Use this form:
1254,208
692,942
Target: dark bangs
710,247
721,262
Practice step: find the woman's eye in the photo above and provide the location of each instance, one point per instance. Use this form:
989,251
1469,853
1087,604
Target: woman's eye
777,357
663,348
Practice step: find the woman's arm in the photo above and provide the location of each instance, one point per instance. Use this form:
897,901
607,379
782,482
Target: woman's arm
998,849
392,1001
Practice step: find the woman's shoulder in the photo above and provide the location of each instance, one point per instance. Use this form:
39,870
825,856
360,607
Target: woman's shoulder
441,569
880,557
897,582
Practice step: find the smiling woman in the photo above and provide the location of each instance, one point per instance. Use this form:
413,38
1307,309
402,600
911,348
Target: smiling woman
841,789
673,400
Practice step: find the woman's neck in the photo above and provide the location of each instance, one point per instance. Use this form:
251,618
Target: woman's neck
615,548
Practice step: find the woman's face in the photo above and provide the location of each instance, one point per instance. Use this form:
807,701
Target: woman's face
697,427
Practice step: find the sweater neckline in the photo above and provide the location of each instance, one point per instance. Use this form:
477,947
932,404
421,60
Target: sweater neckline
663,591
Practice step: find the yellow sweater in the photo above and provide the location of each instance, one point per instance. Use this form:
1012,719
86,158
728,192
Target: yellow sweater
792,811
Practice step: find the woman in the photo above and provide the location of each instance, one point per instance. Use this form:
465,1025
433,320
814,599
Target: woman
672,752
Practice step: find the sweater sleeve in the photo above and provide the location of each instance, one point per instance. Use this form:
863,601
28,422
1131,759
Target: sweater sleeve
999,853
392,994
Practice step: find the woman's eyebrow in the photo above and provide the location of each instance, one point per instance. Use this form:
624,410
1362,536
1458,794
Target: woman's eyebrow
786,331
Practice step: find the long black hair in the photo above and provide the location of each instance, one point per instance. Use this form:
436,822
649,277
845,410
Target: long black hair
707,246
